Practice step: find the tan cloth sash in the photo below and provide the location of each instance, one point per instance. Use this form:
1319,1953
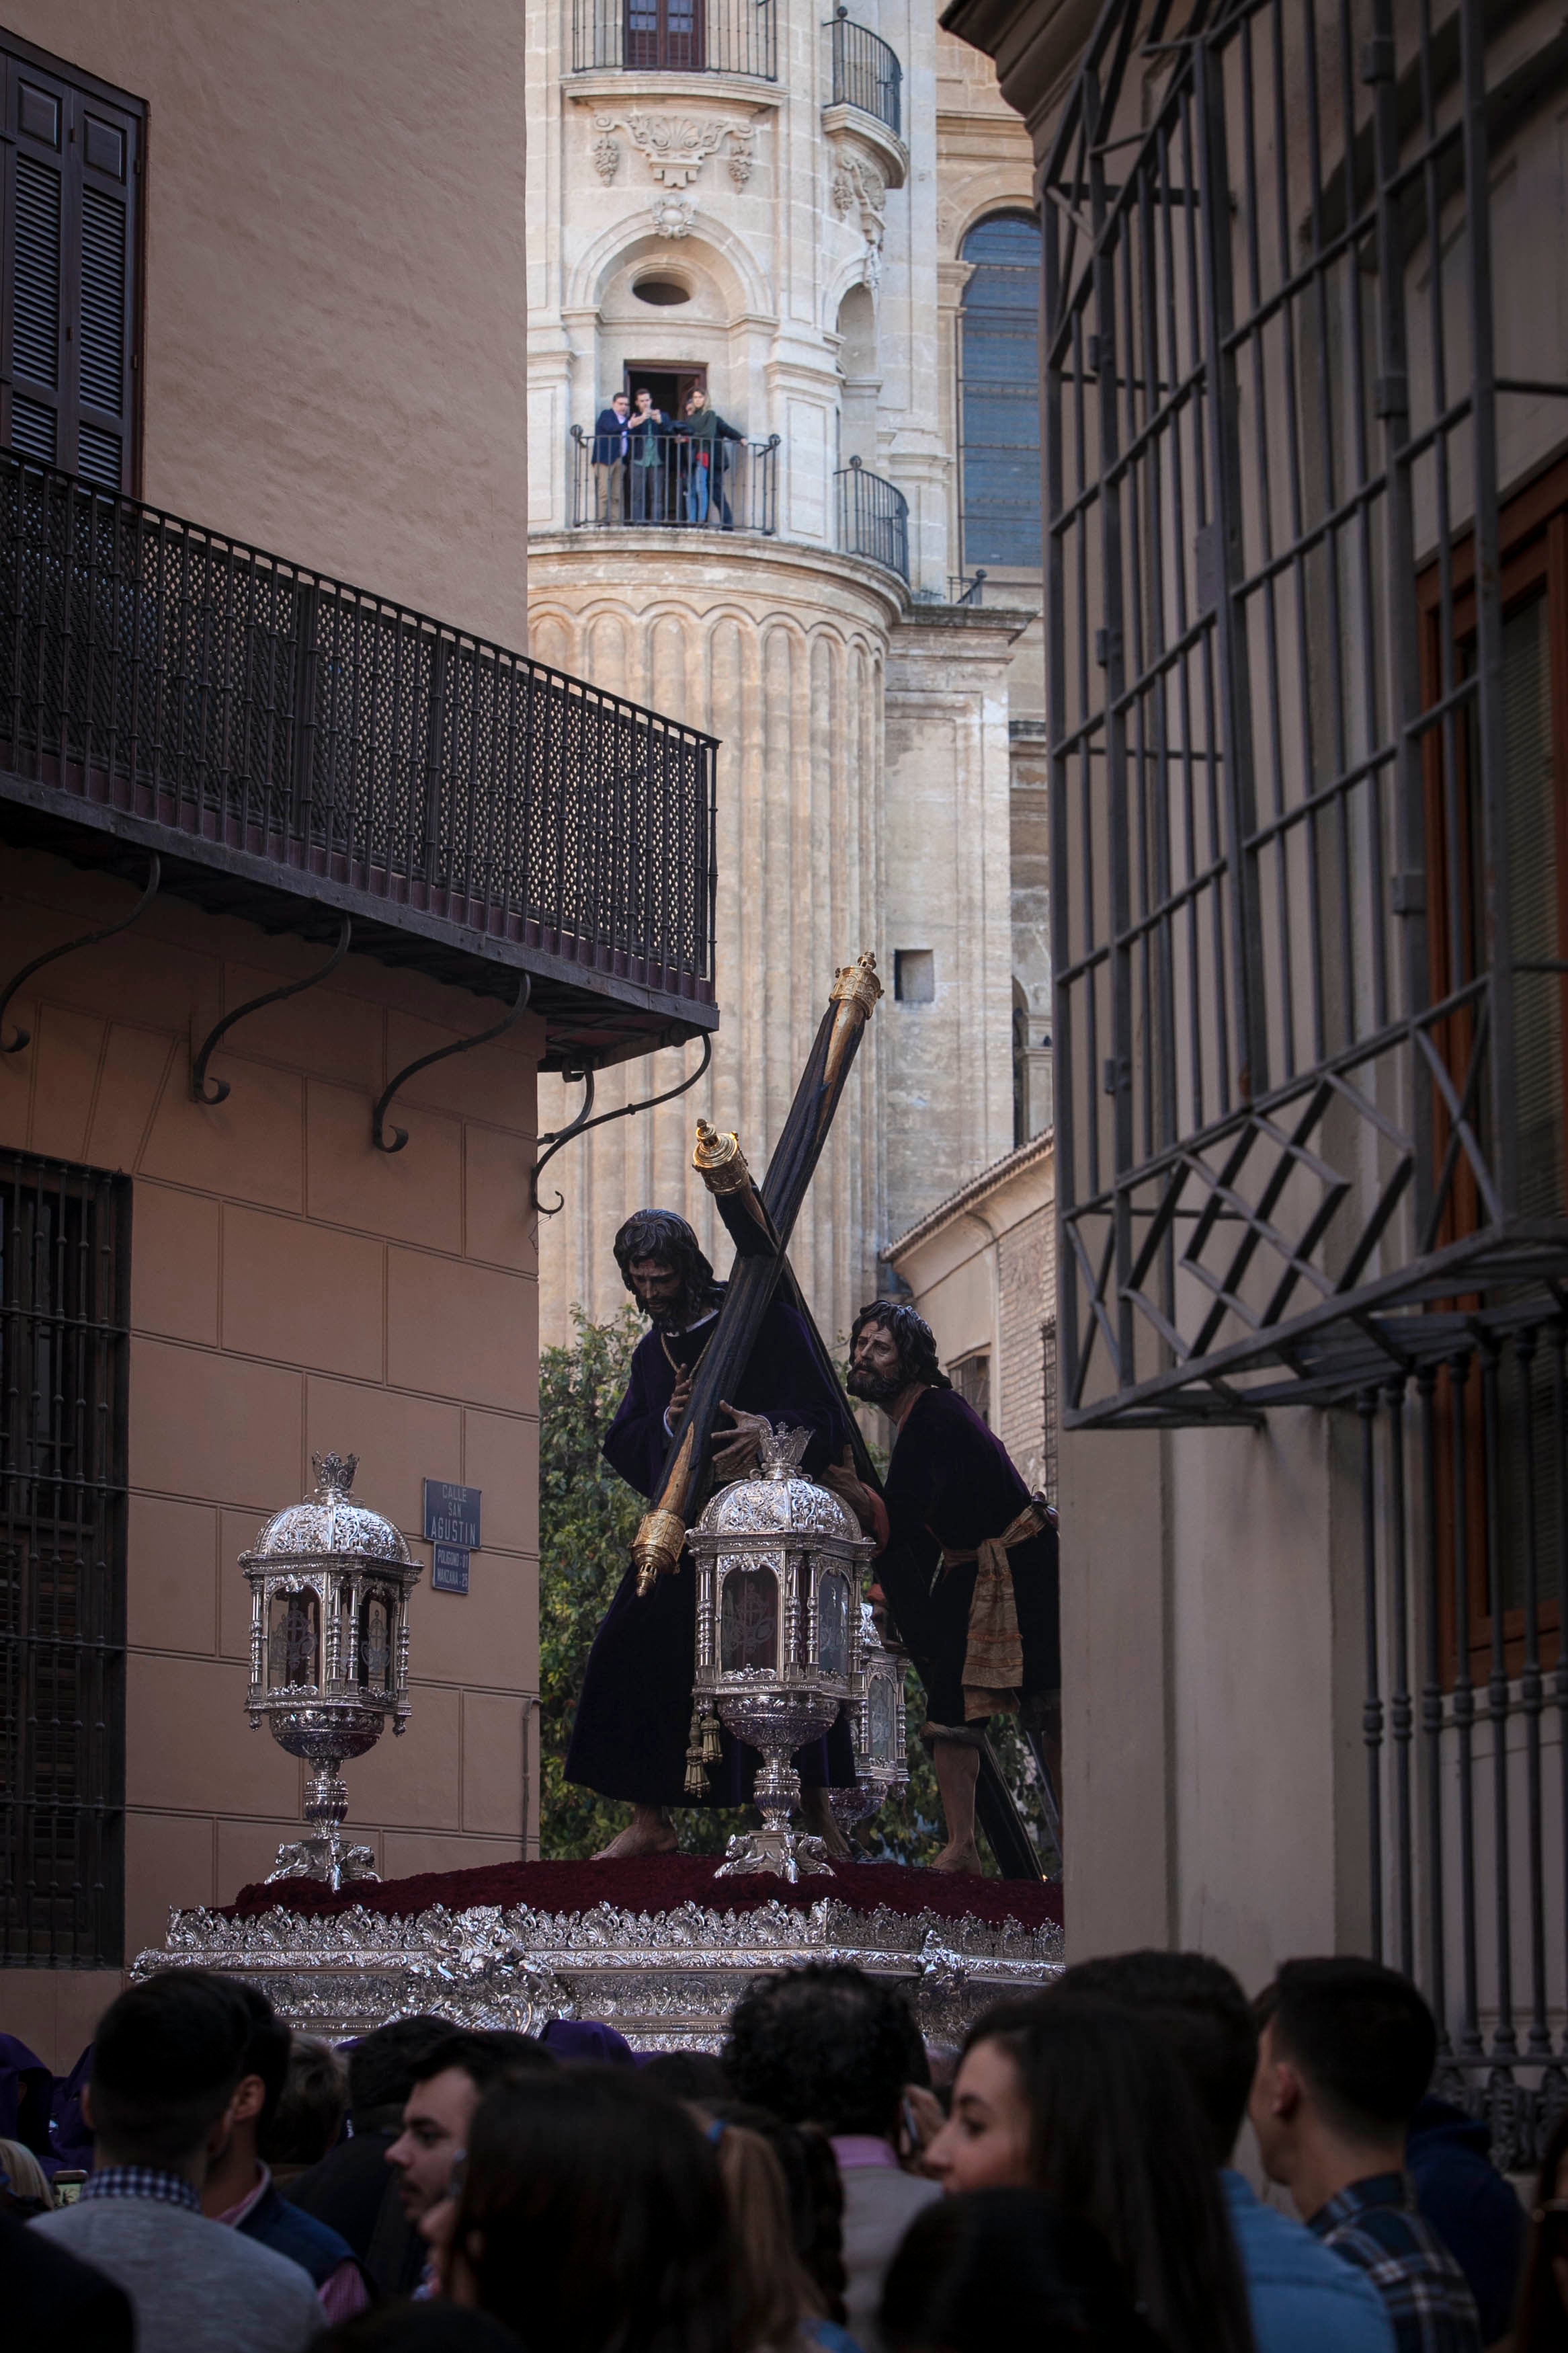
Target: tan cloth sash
994,1653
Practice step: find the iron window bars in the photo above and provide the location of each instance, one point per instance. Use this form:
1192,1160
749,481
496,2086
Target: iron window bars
1464,1498
873,518
729,37
64,1289
865,73
1278,1140
262,714
737,490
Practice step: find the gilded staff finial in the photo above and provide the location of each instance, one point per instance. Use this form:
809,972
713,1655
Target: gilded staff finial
857,984
720,1161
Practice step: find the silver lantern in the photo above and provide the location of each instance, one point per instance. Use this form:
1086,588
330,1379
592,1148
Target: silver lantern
778,1604
329,1582
876,1720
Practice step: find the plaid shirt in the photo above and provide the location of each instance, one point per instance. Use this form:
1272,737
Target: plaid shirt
141,2181
1374,2225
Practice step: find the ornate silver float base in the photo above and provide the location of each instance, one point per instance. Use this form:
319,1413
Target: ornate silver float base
668,1980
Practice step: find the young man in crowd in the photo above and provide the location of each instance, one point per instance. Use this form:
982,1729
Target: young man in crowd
447,2085
828,2046
1345,2054
239,2189
1303,2298
353,2189
166,2068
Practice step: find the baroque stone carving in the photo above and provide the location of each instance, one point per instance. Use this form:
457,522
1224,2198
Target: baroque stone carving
673,215
676,146
606,156
858,189
666,1980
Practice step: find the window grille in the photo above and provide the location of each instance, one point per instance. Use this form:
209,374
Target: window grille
1280,387
64,1269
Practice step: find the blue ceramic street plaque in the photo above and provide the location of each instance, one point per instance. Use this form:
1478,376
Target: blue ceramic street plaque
449,1570
451,1514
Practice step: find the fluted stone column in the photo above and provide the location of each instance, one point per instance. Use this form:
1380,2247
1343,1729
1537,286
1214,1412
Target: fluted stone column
781,654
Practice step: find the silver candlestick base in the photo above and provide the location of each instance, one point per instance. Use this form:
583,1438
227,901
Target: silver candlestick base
324,1853
787,1854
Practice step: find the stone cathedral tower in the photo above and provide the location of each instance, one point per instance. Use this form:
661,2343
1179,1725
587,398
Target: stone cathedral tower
738,195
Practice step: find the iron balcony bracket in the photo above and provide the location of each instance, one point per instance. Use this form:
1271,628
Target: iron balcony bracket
88,940
581,1124
220,1087
399,1136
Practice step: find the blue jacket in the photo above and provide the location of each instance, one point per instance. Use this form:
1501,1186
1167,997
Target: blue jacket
1304,2299
1474,2210
289,2231
610,447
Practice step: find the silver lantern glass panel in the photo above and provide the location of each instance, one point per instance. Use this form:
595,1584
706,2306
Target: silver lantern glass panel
329,1581
877,1722
778,1563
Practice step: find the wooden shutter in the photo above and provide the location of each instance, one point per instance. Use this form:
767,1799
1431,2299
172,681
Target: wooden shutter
70,192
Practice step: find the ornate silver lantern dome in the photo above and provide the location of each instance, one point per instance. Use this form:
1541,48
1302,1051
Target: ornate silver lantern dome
778,1592
877,1719
329,1581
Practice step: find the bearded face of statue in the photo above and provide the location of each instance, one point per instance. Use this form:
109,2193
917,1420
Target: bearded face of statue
662,1292
877,1373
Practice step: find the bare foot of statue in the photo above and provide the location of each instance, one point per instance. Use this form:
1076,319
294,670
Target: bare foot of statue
818,1818
650,1831
958,1858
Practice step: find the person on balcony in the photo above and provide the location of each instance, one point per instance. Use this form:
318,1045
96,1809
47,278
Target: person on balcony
646,432
704,434
612,455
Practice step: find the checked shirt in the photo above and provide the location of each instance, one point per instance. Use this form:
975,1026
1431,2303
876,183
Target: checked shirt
1374,2225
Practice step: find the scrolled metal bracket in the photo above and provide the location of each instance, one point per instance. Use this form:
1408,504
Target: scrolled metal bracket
88,940
581,1124
220,1087
399,1136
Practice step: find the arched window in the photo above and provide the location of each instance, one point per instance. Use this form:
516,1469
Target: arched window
999,392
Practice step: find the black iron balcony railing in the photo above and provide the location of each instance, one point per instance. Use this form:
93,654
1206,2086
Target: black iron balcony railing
279,737
873,518
963,590
865,73
686,485
731,36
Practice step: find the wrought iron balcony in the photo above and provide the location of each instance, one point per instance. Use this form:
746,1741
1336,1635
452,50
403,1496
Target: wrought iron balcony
1308,906
873,518
716,37
736,489
290,746
865,73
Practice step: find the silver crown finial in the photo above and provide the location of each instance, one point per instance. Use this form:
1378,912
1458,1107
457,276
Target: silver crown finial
334,1475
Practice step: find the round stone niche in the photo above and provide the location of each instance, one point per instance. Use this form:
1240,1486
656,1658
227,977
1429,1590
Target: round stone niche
662,289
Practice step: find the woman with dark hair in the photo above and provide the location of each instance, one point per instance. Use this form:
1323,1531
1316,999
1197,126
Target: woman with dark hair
1084,2105
1003,2268
1543,2322
592,2215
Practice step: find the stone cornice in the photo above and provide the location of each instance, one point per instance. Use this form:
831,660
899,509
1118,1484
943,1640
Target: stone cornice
674,93
736,564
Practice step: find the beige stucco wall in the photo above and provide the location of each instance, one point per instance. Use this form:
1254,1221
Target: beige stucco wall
292,1290
335,295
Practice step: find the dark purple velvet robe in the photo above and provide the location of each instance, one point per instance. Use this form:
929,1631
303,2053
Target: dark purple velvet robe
630,1735
952,1484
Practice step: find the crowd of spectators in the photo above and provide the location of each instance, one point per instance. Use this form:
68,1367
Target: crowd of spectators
1069,2180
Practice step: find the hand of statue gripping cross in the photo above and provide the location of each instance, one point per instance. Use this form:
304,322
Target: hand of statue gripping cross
850,1489
735,1450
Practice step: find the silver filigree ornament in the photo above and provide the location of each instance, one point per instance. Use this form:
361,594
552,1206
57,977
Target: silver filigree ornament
877,1723
329,1581
778,1591
667,1981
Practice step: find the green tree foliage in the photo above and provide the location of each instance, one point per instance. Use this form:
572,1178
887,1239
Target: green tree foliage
587,1518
